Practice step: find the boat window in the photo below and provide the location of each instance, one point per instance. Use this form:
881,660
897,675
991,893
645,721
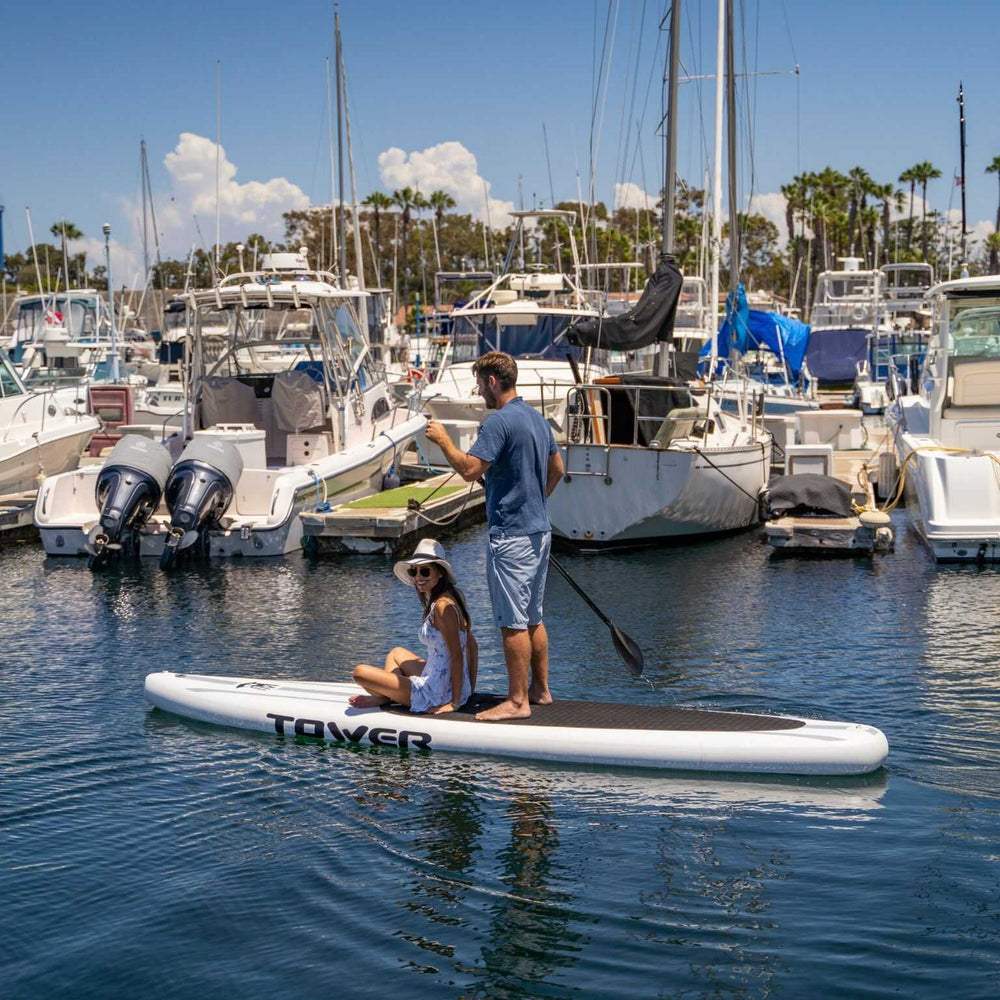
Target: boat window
545,338
29,321
9,385
848,288
974,330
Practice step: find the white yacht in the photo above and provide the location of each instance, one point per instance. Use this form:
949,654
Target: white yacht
947,434
525,313
42,433
847,309
261,444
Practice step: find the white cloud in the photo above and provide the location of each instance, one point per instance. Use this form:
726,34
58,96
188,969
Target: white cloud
632,196
449,167
772,206
126,265
253,206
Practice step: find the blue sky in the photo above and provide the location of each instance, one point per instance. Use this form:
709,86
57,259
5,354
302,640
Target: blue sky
473,83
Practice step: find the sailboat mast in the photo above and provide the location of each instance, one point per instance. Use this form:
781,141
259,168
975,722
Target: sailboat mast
720,66
218,167
145,232
734,229
342,233
670,160
961,143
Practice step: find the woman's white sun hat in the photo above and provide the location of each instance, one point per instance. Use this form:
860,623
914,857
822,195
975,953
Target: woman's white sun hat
428,550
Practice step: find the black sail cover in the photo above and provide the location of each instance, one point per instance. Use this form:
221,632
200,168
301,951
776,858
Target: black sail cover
649,320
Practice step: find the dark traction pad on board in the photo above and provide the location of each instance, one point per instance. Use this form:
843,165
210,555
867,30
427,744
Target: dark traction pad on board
610,715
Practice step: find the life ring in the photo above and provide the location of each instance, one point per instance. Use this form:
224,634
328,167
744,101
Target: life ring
415,375
53,318
858,313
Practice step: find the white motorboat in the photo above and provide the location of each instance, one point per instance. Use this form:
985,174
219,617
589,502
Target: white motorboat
846,311
525,313
261,445
42,433
947,434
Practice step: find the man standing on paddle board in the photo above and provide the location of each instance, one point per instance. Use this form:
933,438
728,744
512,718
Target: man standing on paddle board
517,454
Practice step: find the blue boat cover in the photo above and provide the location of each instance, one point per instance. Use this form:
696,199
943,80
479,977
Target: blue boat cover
745,329
834,354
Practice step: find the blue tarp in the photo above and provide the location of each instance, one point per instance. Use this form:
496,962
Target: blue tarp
746,329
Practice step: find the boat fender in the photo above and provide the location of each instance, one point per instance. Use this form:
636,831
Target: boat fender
874,518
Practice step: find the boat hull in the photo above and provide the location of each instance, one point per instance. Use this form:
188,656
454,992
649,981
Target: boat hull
953,499
627,496
572,732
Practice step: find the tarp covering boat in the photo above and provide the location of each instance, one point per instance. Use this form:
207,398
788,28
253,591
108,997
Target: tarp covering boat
745,329
808,494
649,320
834,354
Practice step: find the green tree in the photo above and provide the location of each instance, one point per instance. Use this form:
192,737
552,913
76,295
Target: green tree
407,201
378,202
909,176
994,168
925,172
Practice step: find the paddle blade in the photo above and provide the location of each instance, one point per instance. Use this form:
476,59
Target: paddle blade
628,651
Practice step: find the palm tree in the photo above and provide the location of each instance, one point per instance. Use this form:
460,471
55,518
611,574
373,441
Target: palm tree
66,231
378,202
406,200
909,176
860,183
994,168
993,245
440,201
925,172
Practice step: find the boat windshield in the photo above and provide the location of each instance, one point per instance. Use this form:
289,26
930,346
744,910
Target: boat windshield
974,330
543,338
77,316
9,385
850,289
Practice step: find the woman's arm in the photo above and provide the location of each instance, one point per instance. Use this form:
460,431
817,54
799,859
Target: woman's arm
472,656
446,618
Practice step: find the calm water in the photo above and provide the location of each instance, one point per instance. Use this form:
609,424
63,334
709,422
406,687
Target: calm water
149,856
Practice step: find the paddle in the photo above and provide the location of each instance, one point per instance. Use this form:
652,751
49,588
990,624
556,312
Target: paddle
626,647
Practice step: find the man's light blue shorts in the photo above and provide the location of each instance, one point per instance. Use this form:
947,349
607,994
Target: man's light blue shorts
515,570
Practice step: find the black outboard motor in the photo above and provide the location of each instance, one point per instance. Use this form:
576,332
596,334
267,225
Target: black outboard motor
198,492
128,491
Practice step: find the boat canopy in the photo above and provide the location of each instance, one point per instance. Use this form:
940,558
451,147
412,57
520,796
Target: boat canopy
649,320
745,329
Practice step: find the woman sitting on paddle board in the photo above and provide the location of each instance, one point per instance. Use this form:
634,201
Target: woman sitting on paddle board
446,679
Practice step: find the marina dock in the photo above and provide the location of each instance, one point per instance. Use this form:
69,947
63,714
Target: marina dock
17,518
394,519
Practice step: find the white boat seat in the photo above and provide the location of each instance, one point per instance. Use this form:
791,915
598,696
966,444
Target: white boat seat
298,402
227,401
677,424
975,382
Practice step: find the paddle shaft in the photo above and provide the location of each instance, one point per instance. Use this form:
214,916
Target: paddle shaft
593,607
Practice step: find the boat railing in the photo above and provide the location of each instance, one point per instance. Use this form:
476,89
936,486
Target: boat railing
28,397
607,416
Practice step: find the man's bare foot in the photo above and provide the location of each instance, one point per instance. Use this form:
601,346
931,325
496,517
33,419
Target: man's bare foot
505,710
541,696
367,701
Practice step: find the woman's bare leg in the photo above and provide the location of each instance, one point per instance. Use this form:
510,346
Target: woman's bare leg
404,661
383,686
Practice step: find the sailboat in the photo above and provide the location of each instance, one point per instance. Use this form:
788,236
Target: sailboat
651,458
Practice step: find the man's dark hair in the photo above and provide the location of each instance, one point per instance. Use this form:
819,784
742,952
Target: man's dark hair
497,363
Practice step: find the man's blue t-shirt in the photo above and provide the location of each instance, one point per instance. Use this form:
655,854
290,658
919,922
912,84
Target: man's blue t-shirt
517,441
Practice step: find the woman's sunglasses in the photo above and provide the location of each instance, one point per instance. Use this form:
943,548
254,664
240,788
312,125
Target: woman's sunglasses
422,571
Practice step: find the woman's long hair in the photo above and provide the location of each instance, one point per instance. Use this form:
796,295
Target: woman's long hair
441,588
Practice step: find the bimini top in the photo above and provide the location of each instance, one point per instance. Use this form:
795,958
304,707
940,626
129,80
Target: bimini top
967,286
286,284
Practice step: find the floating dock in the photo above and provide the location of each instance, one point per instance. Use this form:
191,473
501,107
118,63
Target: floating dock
17,517
394,519
836,443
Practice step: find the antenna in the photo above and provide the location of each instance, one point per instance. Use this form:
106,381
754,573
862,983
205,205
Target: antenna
218,164
961,142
